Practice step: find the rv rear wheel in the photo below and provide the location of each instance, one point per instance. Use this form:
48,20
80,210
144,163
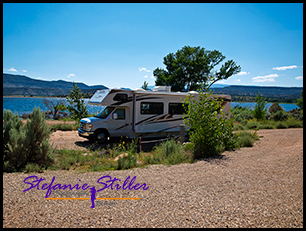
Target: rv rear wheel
101,136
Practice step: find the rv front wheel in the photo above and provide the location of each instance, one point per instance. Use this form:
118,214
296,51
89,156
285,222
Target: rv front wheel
101,136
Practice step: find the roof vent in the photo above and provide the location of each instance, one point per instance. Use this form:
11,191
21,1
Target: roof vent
162,88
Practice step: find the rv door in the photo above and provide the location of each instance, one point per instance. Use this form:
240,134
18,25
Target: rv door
118,122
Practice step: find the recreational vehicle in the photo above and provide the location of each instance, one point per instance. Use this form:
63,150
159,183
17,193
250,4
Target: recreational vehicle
137,113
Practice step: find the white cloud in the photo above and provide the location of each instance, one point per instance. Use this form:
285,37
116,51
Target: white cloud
285,67
70,75
237,80
24,71
145,76
143,69
299,78
12,69
243,73
153,77
266,78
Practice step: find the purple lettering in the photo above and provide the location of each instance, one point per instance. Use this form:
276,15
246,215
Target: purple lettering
125,182
131,183
85,186
105,185
44,186
144,186
50,187
135,186
33,186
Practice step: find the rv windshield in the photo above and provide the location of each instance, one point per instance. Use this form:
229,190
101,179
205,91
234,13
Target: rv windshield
105,112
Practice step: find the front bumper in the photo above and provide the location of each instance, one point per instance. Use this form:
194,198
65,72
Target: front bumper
85,134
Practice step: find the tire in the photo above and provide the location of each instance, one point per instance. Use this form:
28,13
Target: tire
101,136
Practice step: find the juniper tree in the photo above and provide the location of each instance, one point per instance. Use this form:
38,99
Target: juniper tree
77,107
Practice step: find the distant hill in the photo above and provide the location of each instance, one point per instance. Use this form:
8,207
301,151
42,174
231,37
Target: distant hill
265,91
281,93
23,85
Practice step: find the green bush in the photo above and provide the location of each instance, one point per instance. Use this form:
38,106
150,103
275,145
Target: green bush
65,127
241,114
238,127
294,124
77,106
128,161
281,125
246,139
275,107
210,128
260,107
170,152
252,124
280,115
25,144
265,126
30,167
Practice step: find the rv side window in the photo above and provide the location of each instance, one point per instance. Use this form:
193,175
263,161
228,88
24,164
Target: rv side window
120,97
121,113
176,108
151,108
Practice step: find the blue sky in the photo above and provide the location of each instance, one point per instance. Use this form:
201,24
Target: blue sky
119,45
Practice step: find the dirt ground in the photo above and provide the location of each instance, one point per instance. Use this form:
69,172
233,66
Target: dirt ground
71,139
260,186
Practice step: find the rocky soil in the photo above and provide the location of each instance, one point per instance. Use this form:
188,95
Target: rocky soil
260,186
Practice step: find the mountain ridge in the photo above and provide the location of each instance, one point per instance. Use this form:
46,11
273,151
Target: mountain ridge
24,85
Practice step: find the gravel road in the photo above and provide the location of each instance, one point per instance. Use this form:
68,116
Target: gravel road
260,186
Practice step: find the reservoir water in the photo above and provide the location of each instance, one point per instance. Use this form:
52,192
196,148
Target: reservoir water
20,105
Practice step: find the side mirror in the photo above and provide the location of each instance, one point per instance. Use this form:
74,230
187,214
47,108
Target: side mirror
115,116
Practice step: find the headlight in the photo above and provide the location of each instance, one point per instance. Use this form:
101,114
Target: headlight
88,127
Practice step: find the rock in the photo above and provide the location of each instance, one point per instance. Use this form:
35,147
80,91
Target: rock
121,155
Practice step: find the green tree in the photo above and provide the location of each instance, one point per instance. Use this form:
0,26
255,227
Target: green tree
275,107
299,102
210,129
145,86
26,144
260,107
77,107
192,67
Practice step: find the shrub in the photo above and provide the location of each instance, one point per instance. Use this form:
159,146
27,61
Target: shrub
127,162
30,167
296,113
275,107
24,144
260,107
252,124
170,152
246,139
241,114
210,129
14,149
299,102
280,115
265,126
295,124
281,125
77,106
238,127
65,127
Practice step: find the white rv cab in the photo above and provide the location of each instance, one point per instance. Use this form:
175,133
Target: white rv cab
137,113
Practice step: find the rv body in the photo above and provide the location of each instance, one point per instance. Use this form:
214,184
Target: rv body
137,113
